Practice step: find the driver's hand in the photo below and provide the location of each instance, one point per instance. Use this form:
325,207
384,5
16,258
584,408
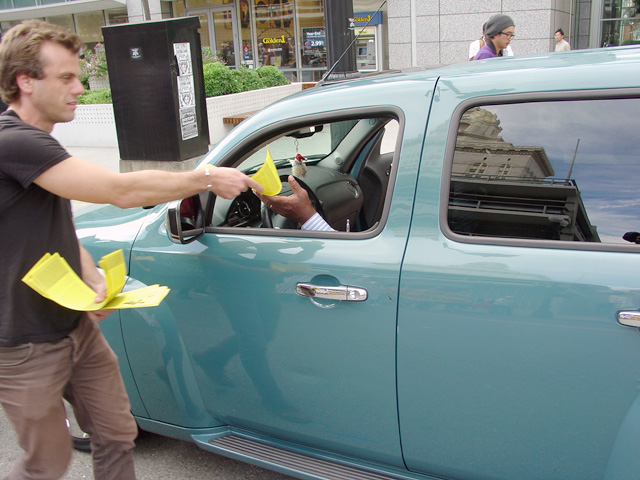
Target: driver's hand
296,206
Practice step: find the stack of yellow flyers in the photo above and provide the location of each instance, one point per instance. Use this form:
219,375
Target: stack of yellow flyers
53,278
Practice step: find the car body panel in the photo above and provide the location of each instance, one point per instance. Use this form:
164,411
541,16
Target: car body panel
541,367
292,368
471,359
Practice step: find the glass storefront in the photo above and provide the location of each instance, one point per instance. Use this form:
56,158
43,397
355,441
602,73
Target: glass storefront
312,33
253,33
275,33
65,21
287,34
87,24
621,22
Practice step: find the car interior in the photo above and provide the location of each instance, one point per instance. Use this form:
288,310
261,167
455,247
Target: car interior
349,165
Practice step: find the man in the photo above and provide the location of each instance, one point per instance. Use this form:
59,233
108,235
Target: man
476,45
46,351
633,237
561,44
499,31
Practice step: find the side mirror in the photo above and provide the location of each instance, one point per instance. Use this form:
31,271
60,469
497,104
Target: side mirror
185,220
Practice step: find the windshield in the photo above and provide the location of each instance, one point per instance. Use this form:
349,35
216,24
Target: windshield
314,143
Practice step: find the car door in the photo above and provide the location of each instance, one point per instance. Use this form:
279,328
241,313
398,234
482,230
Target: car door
235,344
515,356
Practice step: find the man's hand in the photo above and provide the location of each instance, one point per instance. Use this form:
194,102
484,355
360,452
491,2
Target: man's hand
229,183
91,276
296,206
98,315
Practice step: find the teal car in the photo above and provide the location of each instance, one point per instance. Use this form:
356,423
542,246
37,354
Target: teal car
473,315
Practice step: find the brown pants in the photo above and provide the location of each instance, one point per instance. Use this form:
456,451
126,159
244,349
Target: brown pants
81,367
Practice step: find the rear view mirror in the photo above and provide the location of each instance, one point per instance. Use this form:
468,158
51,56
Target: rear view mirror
306,132
185,219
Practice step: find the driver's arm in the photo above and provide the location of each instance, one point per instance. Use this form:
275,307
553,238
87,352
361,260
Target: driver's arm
297,207
317,223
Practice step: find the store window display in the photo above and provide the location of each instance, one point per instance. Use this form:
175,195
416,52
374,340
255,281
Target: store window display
621,23
275,33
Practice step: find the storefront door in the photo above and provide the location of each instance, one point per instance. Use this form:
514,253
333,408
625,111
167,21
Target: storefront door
219,31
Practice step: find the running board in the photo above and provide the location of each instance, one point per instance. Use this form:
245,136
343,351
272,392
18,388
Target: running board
288,462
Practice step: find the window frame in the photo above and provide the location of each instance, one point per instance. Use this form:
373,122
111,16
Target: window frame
520,98
261,135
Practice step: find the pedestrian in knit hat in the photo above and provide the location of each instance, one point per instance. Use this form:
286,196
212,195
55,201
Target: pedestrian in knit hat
499,31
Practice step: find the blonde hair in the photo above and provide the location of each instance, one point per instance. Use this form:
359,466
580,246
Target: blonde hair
20,52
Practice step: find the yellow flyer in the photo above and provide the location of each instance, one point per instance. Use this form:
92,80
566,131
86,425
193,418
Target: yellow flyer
53,278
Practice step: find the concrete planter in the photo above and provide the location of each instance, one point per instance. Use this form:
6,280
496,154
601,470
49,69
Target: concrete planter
237,103
94,125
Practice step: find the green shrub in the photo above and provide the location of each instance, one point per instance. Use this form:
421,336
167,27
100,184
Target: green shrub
271,76
217,79
92,97
245,80
221,80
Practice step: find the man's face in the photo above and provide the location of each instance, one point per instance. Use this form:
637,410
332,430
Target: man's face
559,36
503,39
55,96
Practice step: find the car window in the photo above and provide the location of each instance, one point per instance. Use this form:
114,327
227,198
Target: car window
563,170
348,171
313,142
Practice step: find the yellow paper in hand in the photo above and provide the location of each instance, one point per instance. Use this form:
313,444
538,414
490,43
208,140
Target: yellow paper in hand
150,296
114,272
53,278
268,177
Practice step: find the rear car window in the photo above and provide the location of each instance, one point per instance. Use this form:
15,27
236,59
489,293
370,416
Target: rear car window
557,170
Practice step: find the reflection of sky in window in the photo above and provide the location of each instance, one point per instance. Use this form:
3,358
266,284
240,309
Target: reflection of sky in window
606,167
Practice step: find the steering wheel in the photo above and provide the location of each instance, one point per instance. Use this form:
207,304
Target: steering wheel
266,214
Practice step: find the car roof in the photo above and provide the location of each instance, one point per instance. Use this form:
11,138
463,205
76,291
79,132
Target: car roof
593,65
550,74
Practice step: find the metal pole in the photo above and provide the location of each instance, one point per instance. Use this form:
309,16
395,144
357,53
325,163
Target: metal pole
341,58
573,160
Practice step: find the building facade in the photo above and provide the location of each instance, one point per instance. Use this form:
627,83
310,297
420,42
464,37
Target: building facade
290,34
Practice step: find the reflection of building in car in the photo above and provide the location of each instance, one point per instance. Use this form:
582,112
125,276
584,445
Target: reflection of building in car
499,189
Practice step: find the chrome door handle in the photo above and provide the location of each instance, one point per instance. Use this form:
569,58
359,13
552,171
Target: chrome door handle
629,318
342,292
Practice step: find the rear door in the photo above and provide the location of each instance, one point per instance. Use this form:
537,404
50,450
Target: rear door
514,360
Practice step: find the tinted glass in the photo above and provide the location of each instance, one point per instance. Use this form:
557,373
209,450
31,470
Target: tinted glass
563,171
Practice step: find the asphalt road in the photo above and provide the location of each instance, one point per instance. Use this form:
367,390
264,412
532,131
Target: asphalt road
156,458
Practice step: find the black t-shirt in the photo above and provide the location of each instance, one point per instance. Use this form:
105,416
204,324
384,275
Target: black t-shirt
33,222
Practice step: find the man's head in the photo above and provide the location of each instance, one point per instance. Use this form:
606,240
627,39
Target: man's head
500,29
559,35
20,53
633,237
